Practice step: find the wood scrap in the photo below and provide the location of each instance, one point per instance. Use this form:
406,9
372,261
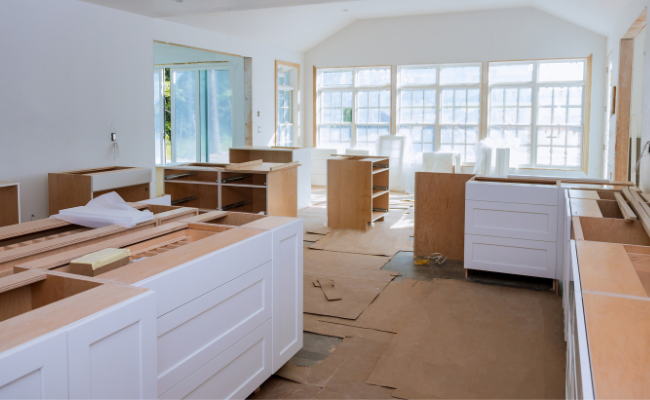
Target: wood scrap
640,208
627,212
21,279
356,295
329,289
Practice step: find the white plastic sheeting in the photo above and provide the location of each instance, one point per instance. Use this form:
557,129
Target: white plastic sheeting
107,209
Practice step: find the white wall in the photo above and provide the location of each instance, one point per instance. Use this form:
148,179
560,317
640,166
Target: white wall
68,70
630,14
496,35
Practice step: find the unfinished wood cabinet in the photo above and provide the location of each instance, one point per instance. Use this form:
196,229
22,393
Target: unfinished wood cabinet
76,188
440,214
357,191
198,274
38,239
253,187
281,155
68,337
9,203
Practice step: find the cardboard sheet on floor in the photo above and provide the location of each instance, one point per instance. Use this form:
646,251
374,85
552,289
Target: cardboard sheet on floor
392,309
311,237
356,295
329,289
346,265
376,241
468,340
359,351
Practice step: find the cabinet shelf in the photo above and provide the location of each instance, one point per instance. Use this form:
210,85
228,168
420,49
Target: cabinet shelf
376,171
377,193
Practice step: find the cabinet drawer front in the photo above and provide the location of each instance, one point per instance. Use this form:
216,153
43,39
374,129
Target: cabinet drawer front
193,279
512,193
519,221
511,256
120,178
235,373
230,312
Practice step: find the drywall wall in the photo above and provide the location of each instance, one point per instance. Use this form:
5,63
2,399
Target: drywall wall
495,35
71,71
631,13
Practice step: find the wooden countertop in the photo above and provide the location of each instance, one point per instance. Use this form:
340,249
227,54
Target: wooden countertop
617,315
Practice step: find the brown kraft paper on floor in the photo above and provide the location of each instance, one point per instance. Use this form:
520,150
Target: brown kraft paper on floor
328,261
356,295
392,308
469,340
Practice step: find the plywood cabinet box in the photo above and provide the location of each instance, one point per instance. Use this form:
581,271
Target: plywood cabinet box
606,296
253,187
357,191
29,241
76,188
228,298
70,337
9,203
281,155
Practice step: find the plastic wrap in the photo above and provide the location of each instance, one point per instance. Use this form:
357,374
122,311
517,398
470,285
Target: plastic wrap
107,209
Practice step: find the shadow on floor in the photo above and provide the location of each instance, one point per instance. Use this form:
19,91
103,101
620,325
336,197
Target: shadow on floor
403,263
315,349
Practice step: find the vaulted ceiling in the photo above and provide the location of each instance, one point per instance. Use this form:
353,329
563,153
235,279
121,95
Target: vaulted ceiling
302,24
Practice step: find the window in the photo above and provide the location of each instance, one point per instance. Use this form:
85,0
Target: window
353,107
193,111
287,83
538,107
439,107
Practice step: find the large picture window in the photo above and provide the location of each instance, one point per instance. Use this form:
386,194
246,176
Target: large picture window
353,107
539,107
193,113
439,107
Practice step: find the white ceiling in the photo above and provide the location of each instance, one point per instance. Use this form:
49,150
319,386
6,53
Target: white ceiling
302,24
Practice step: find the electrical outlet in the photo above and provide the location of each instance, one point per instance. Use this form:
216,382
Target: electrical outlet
113,137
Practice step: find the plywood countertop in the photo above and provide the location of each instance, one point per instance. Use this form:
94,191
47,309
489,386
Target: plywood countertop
617,314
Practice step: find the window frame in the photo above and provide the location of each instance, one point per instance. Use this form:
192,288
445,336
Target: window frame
201,140
535,85
355,89
438,86
294,87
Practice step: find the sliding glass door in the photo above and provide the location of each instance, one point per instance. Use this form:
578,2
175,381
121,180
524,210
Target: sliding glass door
200,113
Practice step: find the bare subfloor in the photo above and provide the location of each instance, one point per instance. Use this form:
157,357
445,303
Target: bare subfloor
409,331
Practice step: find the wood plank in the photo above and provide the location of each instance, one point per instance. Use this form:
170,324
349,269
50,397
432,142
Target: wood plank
640,208
15,281
285,165
618,346
282,193
248,101
637,26
622,148
576,228
440,214
246,164
585,208
584,194
606,267
31,227
627,212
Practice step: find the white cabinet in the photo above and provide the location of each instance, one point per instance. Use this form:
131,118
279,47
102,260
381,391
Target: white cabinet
36,370
235,373
513,228
192,335
287,292
108,354
579,381
112,353
510,256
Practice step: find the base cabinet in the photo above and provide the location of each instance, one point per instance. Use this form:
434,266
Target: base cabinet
36,370
110,354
